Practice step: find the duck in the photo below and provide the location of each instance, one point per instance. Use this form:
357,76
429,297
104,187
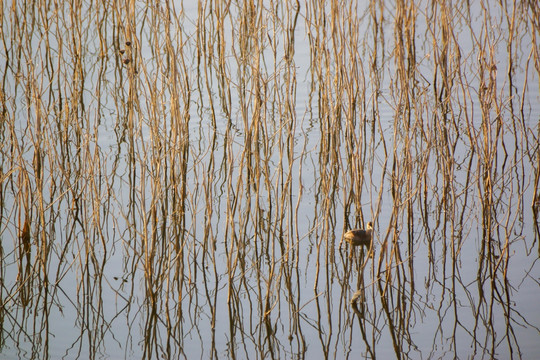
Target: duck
360,237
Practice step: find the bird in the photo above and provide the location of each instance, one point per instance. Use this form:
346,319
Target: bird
360,237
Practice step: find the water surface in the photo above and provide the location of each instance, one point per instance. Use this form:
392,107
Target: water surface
176,179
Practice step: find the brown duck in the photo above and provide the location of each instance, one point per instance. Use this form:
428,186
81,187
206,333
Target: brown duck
360,237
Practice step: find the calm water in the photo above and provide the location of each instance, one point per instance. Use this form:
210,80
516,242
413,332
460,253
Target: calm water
176,179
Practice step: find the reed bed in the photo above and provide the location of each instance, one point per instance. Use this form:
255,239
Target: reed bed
176,179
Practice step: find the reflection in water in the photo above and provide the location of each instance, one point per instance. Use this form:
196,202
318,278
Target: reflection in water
176,181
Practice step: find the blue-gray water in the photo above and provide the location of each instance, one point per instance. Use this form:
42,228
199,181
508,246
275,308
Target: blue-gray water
176,179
